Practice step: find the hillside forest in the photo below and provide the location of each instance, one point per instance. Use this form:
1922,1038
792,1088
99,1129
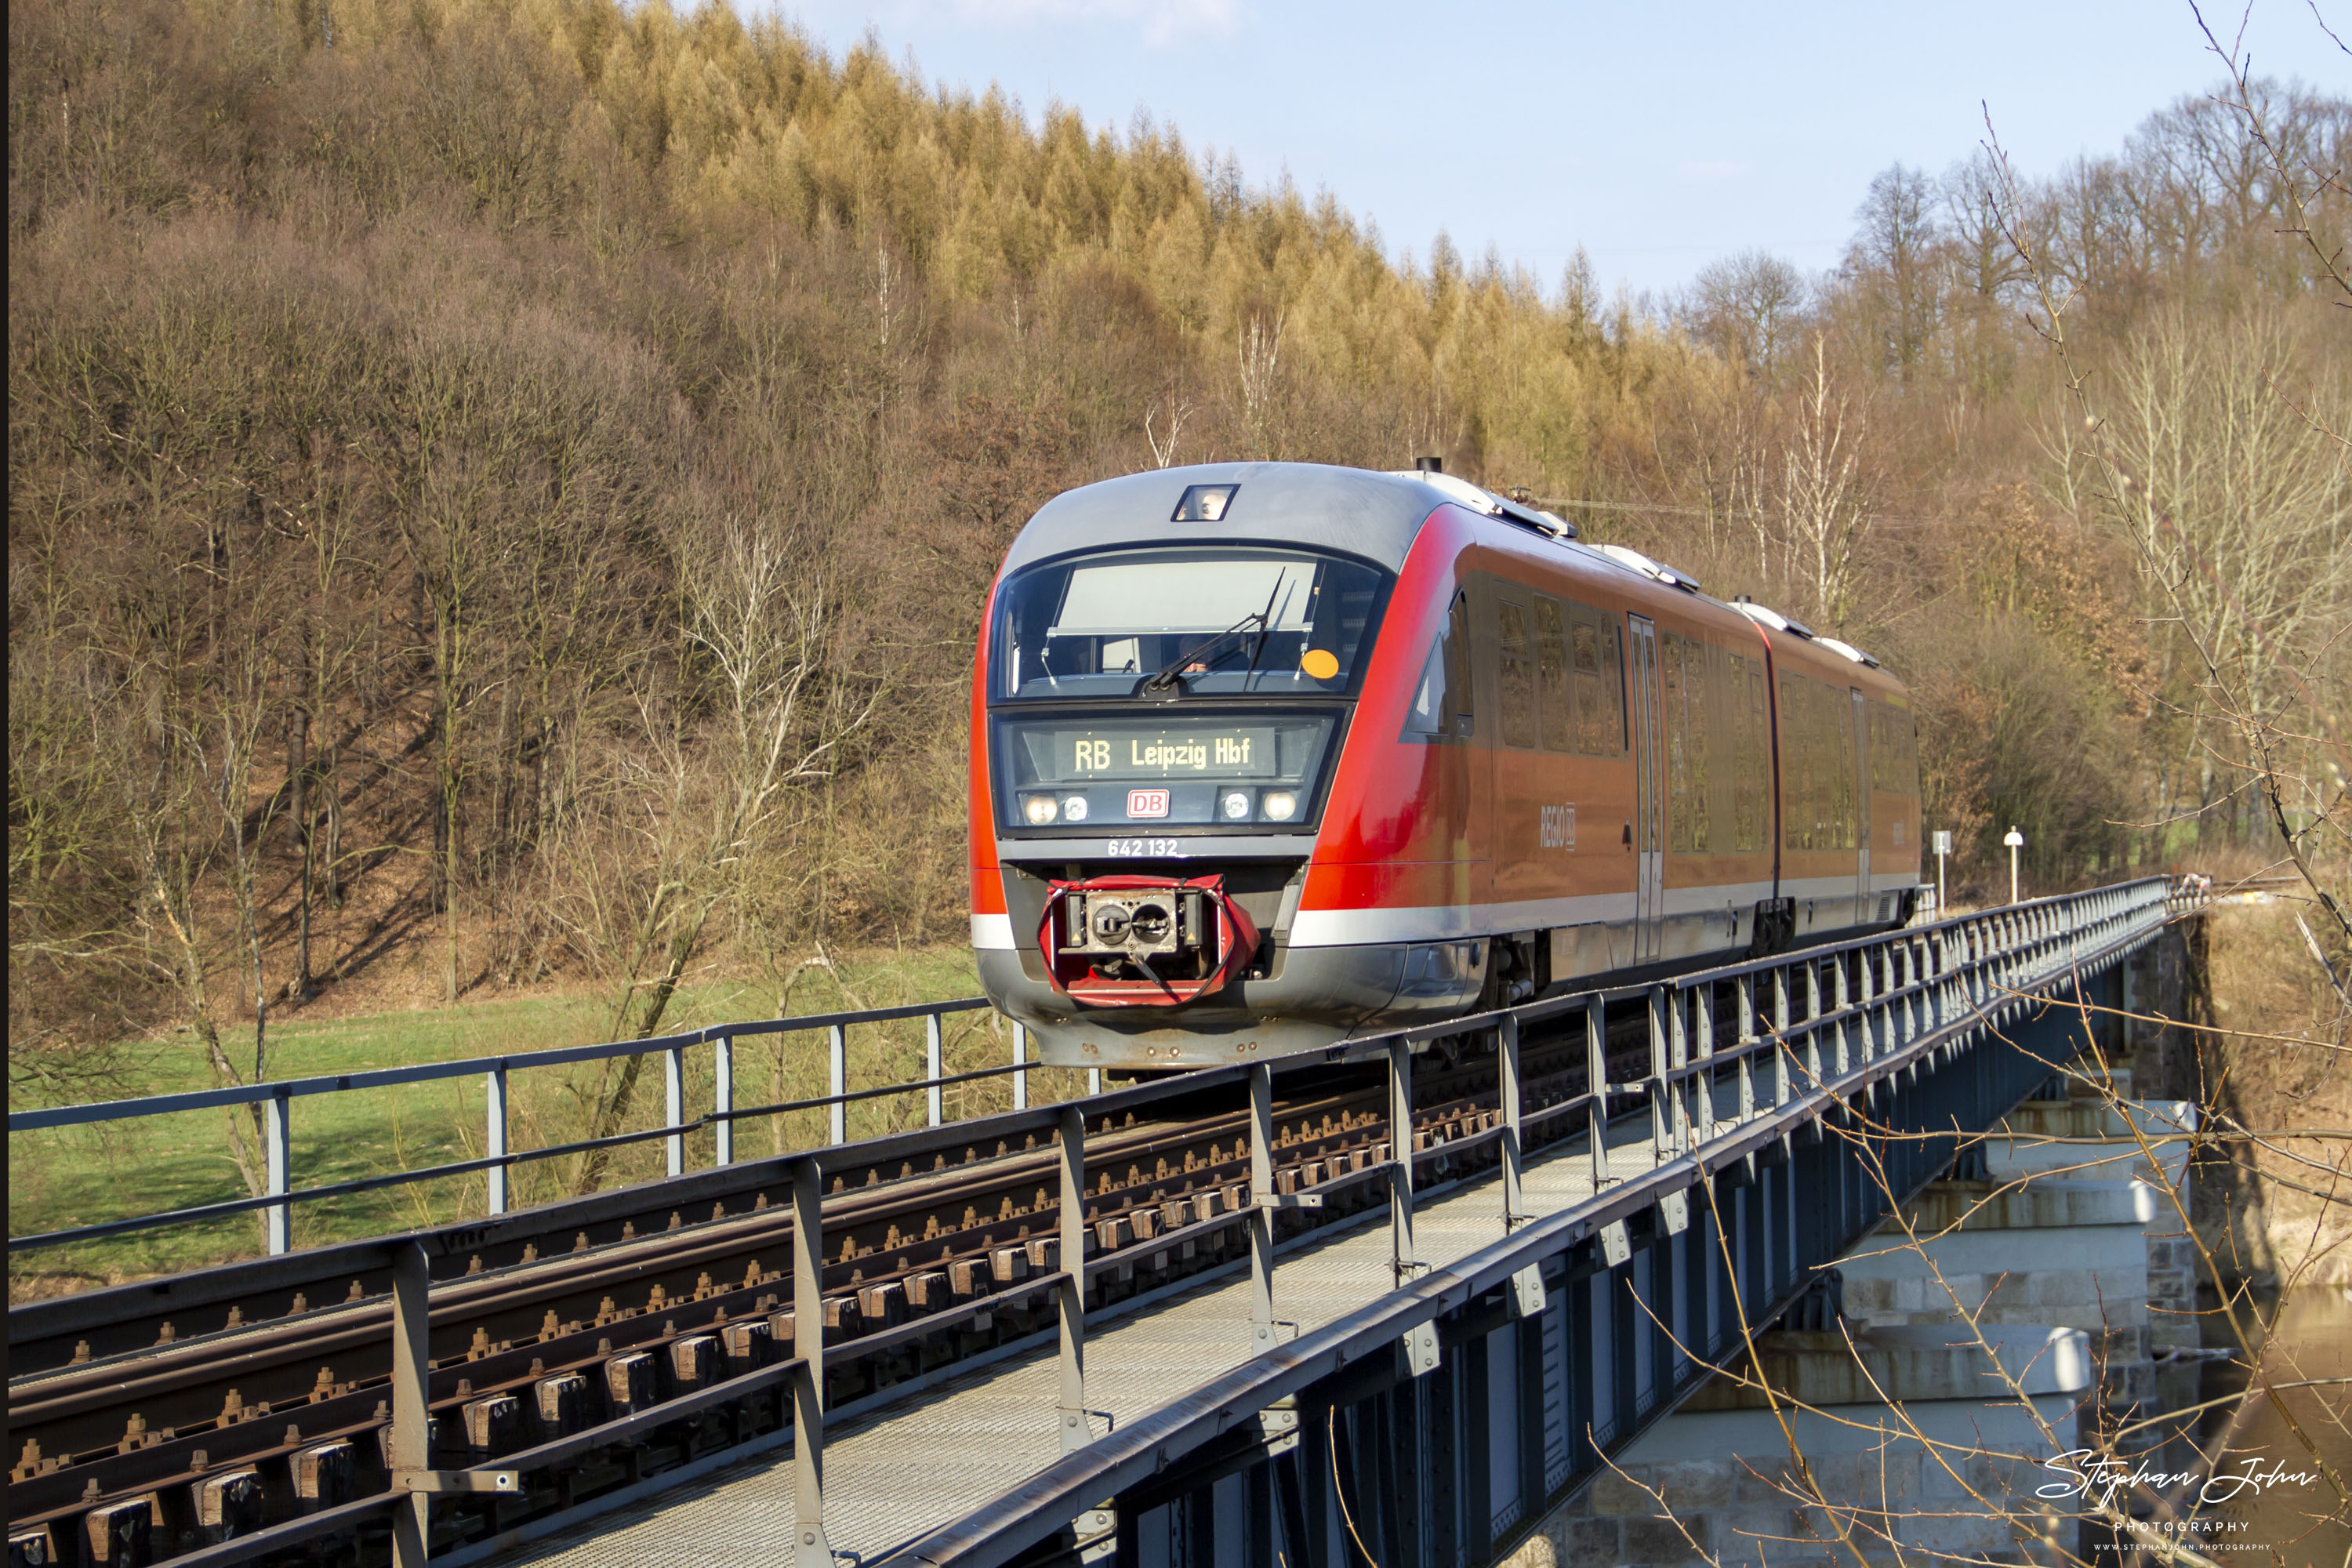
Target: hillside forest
501,491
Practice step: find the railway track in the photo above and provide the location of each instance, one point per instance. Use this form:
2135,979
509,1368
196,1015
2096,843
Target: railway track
157,1419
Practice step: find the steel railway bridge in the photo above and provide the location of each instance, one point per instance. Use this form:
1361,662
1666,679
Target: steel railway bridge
1392,1301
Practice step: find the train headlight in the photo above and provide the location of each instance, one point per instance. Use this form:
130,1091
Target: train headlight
1237,805
1075,808
1280,804
1039,809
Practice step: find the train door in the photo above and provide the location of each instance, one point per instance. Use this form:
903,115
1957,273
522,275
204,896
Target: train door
1649,810
1862,908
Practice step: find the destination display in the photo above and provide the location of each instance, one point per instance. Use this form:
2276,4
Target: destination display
1063,773
1253,752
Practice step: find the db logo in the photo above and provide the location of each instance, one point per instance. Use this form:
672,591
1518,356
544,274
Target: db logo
1147,802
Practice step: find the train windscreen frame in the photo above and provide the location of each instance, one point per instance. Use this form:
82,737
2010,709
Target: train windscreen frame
1152,622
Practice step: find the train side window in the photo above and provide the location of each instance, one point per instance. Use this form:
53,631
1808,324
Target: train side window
1845,776
1755,755
1589,704
1518,690
1427,716
1699,677
1799,807
1683,663
1441,701
1551,660
1597,670
1678,730
1818,765
1613,688
1893,760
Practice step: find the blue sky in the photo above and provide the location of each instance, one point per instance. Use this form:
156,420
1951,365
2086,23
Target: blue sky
1659,136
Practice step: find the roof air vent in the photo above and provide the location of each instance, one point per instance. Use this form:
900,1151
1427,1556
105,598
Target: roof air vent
1848,650
1764,617
1464,493
1634,559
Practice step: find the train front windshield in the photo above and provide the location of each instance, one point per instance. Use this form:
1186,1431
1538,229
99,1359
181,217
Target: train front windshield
1198,686
1224,622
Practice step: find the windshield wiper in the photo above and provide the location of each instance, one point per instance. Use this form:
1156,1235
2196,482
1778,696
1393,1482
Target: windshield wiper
1167,679
1266,623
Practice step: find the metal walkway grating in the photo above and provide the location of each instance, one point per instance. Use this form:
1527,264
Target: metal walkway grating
896,1472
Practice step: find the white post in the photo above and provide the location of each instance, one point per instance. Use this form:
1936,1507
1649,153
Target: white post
722,1098
837,1058
494,1129
674,1099
1020,1056
280,1127
931,1066
2016,841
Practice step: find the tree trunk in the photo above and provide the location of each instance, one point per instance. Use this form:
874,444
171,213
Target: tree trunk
297,774
616,1108
248,1158
449,881
333,789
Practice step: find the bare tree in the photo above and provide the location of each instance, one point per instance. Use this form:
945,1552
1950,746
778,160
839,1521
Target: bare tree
1749,306
2227,489
1261,372
1821,516
709,807
1893,256
1176,408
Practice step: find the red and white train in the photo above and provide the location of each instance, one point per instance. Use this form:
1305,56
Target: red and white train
1265,755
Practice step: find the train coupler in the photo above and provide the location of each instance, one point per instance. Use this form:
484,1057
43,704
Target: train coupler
1143,942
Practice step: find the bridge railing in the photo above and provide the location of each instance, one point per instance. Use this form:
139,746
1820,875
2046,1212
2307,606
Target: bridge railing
1882,998
498,1074
1811,1031
1870,1020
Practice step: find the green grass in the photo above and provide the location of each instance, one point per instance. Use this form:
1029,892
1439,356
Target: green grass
63,1178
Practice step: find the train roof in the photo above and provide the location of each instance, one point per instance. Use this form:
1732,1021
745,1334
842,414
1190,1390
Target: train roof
1360,511
1373,515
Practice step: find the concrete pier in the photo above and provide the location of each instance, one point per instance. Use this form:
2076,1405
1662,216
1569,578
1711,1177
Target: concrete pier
2072,1225
1930,1471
